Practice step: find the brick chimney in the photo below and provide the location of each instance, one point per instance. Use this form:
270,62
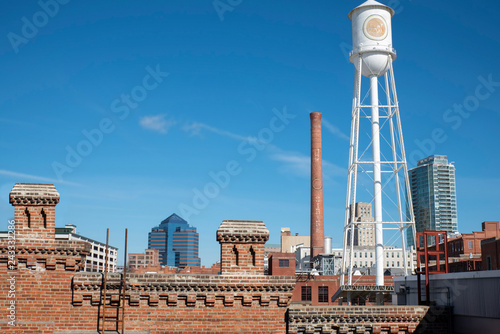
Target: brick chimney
34,210
242,247
317,223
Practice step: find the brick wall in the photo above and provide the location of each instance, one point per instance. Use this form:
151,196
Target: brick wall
490,252
365,319
330,285
53,296
281,264
163,303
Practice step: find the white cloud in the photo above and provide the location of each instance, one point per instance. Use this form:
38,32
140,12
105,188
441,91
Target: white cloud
157,123
195,129
300,164
21,176
292,162
335,130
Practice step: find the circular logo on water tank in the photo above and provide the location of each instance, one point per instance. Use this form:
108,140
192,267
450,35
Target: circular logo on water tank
375,28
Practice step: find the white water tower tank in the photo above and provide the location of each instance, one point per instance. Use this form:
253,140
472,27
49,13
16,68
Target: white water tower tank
372,38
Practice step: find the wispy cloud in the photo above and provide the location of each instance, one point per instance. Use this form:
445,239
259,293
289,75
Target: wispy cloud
35,177
157,123
300,164
334,130
292,162
295,163
196,129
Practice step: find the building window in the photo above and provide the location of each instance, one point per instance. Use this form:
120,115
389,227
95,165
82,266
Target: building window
306,293
488,262
284,263
470,244
323,294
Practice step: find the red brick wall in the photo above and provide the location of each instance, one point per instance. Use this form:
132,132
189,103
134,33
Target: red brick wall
366,319
332,282
163,303
274,264
40,227
242,259
491,249
42,284
489,230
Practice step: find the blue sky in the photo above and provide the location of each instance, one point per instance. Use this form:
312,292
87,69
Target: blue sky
164,100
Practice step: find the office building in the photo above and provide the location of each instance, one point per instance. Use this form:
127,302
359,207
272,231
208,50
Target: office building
289,241
176,241
364,234
150,258
95,261
433,192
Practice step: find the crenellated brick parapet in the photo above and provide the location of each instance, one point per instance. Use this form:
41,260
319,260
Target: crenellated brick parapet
363,319
46,254
186,290
27,194
242,231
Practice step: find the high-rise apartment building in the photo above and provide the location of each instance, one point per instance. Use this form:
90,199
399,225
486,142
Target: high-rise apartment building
433,193
176,241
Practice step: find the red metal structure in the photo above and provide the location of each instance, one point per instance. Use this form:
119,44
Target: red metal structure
432,258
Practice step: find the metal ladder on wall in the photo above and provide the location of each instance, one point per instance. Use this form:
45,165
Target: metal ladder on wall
111,315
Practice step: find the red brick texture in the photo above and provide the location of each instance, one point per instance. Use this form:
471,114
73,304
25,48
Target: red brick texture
164,303
365,319
242,247
317,218
332,283
284,267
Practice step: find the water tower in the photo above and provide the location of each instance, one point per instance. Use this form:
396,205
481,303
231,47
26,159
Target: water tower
382,177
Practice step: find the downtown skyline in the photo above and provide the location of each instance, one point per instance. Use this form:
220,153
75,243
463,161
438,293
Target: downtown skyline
136,112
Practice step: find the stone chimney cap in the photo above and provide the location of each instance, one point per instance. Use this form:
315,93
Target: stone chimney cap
242,231
34,194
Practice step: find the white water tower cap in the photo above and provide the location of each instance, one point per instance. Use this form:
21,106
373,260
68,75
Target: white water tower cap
373,4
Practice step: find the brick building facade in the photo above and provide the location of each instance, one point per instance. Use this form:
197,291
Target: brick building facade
490,253
464,251
42,289
149,259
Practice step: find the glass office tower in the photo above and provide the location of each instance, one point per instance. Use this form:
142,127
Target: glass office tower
434,197
176,241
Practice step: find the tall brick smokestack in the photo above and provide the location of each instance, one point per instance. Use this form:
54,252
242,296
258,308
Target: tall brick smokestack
317,223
